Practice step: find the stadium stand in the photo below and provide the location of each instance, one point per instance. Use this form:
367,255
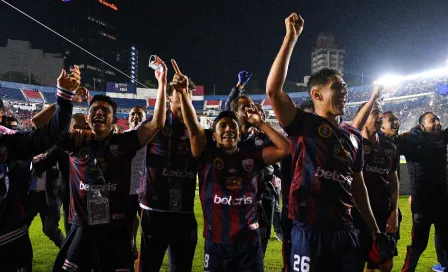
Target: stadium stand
11,94
33,96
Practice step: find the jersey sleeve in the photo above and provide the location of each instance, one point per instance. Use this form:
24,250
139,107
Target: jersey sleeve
295,128
129,141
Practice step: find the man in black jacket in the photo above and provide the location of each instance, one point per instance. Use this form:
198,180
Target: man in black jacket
425,149
15,246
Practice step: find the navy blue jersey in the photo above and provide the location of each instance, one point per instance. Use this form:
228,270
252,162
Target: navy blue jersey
171,170
381,159
324,157
112,157
228,187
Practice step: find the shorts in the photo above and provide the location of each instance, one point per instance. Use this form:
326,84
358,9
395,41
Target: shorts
105,248
16,255
366,240
225,257
323,250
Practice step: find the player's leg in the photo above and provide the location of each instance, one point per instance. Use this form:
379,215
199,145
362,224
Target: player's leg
114,249
266,213
154,241
286,243
421,225
277,215
75,253
183,243
442,254
50,216
441,226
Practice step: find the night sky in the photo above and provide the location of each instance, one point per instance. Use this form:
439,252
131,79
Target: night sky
213,40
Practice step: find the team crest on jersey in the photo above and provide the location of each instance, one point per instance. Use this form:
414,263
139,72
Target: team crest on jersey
167,131
233,183
259,143
388,152
440,143
325,131
83,152
354,141
114,150
3,153
248,164
366,149
218,163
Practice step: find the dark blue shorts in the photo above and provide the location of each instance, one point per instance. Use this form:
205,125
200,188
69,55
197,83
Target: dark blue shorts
317,250
224,257
102,247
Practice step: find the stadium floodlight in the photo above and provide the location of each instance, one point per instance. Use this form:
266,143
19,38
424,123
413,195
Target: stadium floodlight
133,58
133,48
132,67
133,53
389,80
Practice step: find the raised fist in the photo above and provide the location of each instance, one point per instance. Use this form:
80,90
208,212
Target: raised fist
294,25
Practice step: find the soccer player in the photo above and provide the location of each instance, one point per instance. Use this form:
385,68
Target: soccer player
15,246
243,77
228,182
380,175
136,116
100,210
425,150
327,162
167,195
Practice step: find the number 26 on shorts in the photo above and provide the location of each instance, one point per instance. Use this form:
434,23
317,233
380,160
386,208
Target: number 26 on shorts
301,264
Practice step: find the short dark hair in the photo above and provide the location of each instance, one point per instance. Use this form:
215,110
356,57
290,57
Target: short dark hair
104,98
234,103
139,107
321,77
422,117
2,106
11,119
224,114
388,112
307,105
170,89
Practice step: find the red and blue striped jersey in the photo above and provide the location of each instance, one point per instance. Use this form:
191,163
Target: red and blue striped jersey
380,159
112,157
324,157
228,187
170,183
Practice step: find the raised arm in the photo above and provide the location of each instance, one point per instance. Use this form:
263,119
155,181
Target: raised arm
195,130
280,144
44,116
40,140
361,117
282,104
243,78
150,128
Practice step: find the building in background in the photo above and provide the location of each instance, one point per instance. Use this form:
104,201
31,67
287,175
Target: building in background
98,26
20,62
326,54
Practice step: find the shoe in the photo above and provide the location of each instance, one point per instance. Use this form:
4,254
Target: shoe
438,268
279,236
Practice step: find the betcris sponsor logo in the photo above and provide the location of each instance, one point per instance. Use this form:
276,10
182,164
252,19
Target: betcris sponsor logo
376,169
97,187
232,201
332,175
177,173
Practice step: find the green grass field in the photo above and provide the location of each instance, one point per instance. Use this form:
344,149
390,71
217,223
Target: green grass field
45,251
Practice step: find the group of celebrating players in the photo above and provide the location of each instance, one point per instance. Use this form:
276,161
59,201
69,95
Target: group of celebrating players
339,181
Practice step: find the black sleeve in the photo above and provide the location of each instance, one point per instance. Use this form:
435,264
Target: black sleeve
129,141
29,144
234,93
295,128
50,159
